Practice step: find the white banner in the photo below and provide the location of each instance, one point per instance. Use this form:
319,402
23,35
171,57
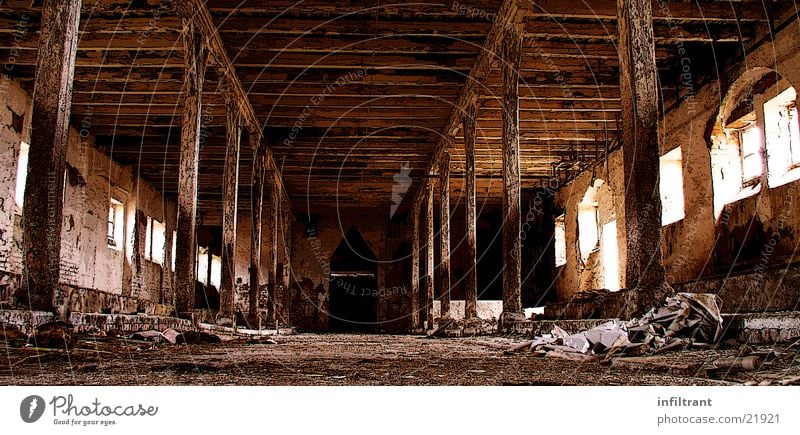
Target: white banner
406,410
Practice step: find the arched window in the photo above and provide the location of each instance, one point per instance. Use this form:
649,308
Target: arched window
755,138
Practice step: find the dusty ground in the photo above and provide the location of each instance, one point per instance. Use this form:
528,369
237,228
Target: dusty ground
338,359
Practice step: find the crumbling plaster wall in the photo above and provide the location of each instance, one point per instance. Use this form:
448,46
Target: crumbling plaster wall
689,244
242,257
14,105
94,276
578,274
311,253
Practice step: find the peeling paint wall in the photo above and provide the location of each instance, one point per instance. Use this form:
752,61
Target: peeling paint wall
14,105
242,260
583,274
119,280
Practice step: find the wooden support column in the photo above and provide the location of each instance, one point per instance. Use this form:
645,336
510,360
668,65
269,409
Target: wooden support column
444,234
195,65
167,281
256,206
429,253
512,244
274,208
471,291
230,204
639,104
415,266
286,227
52,100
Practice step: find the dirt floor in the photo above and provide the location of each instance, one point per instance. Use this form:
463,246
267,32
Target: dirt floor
351,359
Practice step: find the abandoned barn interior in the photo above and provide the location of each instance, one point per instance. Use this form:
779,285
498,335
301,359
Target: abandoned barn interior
364,166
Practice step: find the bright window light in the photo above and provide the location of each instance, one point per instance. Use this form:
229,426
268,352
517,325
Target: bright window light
202,267
671,187
22,174
750,143
148,239
116,228
588,222
202,264
174,248
158,241
216,270
561,241
794,135
782,138
610,255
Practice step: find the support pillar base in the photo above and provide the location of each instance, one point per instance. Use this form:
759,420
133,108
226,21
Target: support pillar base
641,299
507,318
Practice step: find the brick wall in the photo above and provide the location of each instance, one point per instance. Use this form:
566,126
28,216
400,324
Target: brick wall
88,264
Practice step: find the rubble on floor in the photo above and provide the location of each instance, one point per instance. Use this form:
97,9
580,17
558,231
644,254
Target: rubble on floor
63,336
172,336
447,327
686,319
375,359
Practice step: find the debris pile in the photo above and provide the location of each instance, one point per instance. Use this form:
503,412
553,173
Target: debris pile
53,335
447,327
173,336
59,335
686,319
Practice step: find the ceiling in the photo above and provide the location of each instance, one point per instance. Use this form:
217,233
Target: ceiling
348,92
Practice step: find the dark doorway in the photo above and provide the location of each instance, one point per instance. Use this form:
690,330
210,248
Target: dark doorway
354,286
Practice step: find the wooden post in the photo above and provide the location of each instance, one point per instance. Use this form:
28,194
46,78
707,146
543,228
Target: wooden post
230,204
274,206
415,266
429,253
444,234
44,186
195,64
167,287
471,291
639,104
512,245
256,205
286,226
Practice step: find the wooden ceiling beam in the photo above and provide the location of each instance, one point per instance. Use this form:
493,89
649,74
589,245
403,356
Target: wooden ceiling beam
388,10
601,9
387,44
665,33
508,14
674,11
351,90
344,25
227,73
106,59
92,7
